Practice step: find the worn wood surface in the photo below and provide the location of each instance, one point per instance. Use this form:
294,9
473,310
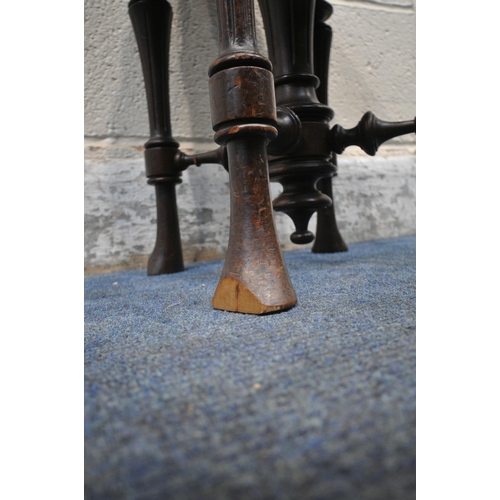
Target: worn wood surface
244,90
254,279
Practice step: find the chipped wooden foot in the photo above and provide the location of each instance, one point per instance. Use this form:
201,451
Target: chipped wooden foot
232,295
254,279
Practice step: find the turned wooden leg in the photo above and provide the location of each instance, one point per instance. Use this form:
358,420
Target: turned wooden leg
151,20
254,279
289,26
328,238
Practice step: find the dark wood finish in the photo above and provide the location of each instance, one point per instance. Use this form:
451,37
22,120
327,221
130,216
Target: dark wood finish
151,20
167,254
299,43
289,26
328,238
250,128
369,133
254,279
217,156
289,132
323,35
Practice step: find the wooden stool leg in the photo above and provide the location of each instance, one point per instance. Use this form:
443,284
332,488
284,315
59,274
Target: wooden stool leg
299,45
254,279
328,238
289,26
151,20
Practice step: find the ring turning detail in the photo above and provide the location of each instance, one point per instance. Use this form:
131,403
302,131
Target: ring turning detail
271,122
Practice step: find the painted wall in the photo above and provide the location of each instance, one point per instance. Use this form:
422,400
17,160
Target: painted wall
372,68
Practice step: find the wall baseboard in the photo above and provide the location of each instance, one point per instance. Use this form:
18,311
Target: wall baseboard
374,198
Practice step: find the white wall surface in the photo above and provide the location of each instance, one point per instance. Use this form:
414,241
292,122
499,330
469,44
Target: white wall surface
372,68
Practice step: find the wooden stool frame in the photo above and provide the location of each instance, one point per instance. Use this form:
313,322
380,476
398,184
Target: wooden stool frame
271,122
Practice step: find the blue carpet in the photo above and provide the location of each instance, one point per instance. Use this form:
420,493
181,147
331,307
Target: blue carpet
318,402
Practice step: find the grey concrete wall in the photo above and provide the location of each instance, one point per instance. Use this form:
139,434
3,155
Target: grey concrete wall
372,67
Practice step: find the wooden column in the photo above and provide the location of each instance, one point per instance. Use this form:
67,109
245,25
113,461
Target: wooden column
328,238
289,26
151,20
254,279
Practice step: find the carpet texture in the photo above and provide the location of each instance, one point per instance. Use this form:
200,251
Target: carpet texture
318,402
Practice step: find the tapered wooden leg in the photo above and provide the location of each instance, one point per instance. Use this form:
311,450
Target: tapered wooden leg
151,20
328,238
254,279
166,257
